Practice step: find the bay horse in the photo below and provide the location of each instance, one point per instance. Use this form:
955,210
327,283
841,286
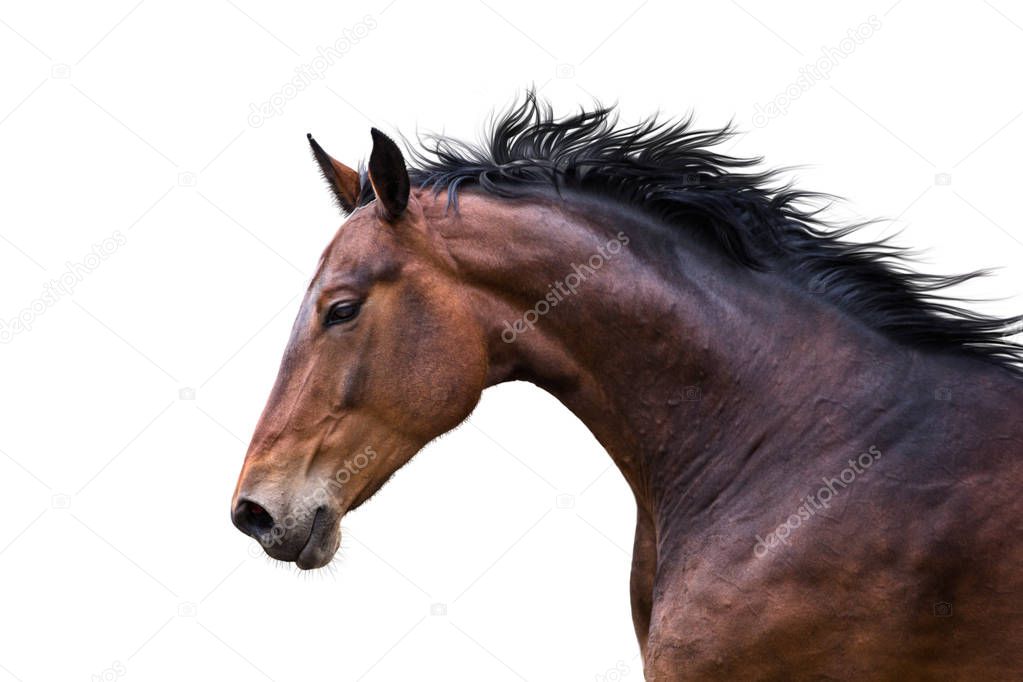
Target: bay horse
826,451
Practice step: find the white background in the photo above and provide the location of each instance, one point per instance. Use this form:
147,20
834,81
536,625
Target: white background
117,556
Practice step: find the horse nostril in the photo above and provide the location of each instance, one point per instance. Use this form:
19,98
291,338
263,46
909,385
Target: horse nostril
252,519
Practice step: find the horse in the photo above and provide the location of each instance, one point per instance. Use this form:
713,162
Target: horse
824,446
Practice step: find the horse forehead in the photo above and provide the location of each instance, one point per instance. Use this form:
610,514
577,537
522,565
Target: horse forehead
359,238
361,251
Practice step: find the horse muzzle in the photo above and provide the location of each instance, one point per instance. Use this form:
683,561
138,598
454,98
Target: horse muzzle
307,536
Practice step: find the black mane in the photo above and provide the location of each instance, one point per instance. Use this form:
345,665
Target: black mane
671,170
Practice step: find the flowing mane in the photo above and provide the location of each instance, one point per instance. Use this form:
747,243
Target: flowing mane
671,170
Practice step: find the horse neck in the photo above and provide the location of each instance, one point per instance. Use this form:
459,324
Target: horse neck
689,370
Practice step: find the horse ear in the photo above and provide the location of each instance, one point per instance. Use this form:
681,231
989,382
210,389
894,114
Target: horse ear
388,175
341,179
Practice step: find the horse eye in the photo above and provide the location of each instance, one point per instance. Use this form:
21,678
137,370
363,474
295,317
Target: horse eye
342,312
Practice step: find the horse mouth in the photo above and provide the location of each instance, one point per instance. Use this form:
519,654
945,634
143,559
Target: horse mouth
319,549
